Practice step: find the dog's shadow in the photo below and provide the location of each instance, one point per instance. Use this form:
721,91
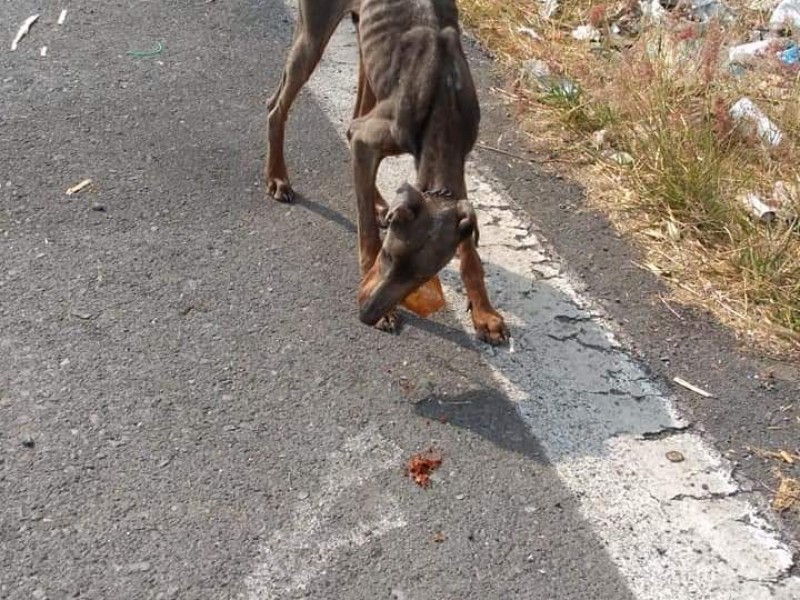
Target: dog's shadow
326,212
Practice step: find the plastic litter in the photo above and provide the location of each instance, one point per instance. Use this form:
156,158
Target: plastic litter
746,110
786,13
790,56
705,10
23,31
426,299
62,17
156,50
758,208
586,33
745,53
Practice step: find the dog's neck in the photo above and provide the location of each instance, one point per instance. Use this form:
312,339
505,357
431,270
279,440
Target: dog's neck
448,138
440,173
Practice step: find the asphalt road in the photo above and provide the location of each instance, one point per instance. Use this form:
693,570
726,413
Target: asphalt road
189,407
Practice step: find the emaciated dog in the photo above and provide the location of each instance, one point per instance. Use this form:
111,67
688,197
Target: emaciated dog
415,95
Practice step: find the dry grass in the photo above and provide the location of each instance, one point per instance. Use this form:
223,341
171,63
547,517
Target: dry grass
786,496
659,152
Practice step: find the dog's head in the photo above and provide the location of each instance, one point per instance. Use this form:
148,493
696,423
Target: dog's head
423,234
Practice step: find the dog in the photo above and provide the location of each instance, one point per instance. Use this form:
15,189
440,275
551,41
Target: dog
415,96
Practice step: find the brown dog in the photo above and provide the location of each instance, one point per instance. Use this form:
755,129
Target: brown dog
415,95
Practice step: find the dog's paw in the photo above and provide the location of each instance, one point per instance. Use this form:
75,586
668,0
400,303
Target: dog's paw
280,189
490,327
390,322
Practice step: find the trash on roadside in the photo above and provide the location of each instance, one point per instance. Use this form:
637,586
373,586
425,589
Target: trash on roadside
23,31
427,299
157,49
746,53
652,10
43,51
78,187
421,465
790,56
786,13
705,10
758,208
745,110
62,17
693,388
586,33
530,32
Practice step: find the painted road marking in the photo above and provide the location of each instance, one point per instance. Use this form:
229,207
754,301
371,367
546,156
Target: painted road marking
299,553
676,531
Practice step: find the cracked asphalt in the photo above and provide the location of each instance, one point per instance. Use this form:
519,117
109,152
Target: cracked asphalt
189,407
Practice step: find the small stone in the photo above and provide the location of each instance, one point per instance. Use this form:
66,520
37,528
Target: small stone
459,496
675,456
140,567
82,314
39,594
302,495
27,440
98,207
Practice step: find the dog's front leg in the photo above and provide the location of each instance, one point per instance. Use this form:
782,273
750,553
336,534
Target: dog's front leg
371,141
489,324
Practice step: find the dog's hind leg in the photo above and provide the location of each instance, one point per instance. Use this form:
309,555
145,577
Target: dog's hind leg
314,29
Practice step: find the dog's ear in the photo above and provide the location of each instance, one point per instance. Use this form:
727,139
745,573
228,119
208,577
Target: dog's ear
467,221
406,205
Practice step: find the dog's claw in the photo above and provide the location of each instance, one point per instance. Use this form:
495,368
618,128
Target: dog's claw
281,190
390,322
491,328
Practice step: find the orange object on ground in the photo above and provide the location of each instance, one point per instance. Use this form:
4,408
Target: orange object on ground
426,299
421,465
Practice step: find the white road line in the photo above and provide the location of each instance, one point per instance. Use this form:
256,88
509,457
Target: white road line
676,531
297,554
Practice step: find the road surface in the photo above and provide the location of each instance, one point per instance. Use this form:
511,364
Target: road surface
189,407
